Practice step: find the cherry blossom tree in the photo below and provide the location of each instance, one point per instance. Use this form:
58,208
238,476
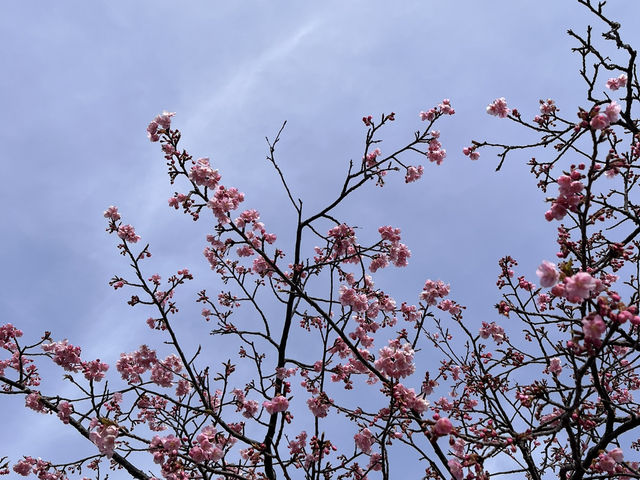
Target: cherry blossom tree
329,375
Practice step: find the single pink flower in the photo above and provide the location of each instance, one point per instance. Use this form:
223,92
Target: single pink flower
548,274
593,327
443,427
600,122
579,287
613,112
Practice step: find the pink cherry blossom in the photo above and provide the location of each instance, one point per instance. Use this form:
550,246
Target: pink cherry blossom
613,112
65,409
372,156
132,365
433,290
225,200
599,121
493,330
34,402
593,327
202,174
319,406
250,408
94,370
396,360
435,153
579,287
162,372
616,83
414,173
455,468
399,254
364,440
127,233
275,405
104,437
498,108
65,355
548,274
408,397
555,366
24,466
569,197
443,427
471,153
112,213
350,298
207,447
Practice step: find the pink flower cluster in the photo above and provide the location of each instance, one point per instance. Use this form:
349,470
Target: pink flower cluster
364,440
344,239
65,409
132,365
277,404
65,355
396,360
225,200
455,467
436,153
399,254
600,121
616,83
34,402
498,108
42,469
162,121
128,234
434,290
607,461
94,370
471,152
319,405
371,157
206,448
494,330
443,108
161,446
350,298
249,407
593,327
568,198
415,173
577,287
7,333
408,398
548,107
112,213
103,435
202,174
162,372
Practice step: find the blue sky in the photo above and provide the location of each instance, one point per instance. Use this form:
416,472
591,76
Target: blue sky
82,80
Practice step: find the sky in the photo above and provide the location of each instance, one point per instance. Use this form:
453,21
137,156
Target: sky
83,79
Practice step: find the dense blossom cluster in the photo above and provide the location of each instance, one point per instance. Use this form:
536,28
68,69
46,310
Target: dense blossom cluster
570,188
498,108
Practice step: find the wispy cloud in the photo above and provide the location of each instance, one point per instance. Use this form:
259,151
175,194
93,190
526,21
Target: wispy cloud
246,77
